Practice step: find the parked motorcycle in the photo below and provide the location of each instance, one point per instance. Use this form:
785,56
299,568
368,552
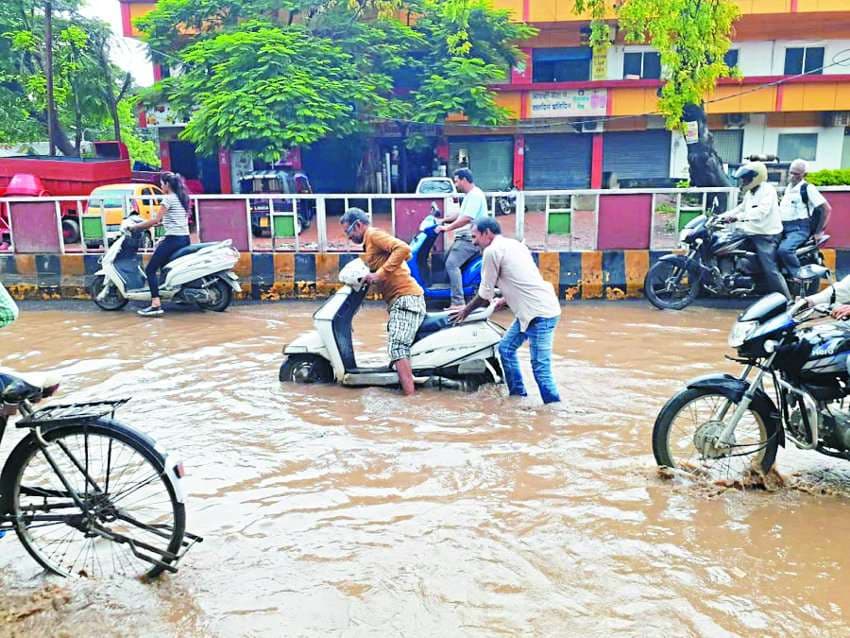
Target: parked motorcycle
726,426
420,249
197,274
721,262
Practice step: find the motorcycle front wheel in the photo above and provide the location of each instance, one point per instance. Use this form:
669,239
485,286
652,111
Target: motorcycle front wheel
668,286
687,430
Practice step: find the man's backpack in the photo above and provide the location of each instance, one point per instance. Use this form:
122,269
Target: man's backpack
816,215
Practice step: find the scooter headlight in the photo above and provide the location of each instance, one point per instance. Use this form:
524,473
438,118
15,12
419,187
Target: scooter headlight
740,331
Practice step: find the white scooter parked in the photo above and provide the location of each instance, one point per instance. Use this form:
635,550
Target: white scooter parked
197,274
463,356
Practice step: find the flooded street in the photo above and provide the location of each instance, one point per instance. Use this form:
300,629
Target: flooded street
329,511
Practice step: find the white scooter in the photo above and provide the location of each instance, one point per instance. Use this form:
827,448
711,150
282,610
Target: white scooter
462,357
197,274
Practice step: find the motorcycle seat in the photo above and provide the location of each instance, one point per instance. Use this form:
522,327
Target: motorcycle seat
191,248
436,321
17,388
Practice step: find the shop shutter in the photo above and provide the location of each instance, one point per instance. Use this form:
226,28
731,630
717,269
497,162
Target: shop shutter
637,154
491,160
554,162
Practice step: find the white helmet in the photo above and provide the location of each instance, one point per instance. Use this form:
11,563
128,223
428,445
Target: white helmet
353,273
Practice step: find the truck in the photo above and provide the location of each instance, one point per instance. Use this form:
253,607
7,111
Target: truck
67,177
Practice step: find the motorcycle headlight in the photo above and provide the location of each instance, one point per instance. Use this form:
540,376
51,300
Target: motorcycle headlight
740,331
683,236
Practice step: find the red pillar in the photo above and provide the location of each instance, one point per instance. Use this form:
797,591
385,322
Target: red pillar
519,161
165,155
224,171
596,161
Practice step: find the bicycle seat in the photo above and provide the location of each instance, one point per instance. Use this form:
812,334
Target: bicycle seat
17,388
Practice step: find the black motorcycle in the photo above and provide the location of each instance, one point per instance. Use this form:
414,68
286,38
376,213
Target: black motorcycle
723,426
722,262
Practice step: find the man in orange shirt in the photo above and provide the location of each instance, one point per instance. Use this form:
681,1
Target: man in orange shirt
387,258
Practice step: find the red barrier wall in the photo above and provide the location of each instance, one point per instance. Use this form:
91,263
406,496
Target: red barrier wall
220,219
624,221
34,227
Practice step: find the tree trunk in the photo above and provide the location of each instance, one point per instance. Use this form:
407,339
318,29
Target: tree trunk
60,137
706,167
704,163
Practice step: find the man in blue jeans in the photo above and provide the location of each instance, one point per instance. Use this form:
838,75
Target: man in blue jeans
509,266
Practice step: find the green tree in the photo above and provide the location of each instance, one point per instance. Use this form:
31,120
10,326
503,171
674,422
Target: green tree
281,73
87,86
692,37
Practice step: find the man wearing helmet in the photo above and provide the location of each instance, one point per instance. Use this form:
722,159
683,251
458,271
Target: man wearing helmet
804,212
387,258
758,217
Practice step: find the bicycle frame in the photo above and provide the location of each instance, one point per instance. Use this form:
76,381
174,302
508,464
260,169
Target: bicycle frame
9,521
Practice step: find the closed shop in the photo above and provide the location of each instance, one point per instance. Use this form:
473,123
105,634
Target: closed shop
637,156
555,162
491,160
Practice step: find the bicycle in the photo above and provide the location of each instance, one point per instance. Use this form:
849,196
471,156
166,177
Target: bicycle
85,494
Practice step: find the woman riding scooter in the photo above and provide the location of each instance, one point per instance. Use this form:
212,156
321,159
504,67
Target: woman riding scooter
174,217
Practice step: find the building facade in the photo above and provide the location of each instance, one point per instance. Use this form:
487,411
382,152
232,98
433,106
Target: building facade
585,121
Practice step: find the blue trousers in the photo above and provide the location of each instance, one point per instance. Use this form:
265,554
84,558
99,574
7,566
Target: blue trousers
540,334
794,235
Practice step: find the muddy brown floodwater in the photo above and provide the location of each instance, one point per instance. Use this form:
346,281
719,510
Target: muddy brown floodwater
349,512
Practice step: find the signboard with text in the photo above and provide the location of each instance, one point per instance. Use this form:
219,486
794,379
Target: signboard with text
569,103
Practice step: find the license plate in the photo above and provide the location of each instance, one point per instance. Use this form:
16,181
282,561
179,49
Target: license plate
264,222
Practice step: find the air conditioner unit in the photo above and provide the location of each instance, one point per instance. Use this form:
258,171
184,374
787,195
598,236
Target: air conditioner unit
736,119
591,126
838,118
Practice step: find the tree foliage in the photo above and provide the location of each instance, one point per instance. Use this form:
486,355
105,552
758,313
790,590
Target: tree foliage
279,73
691,36
87,86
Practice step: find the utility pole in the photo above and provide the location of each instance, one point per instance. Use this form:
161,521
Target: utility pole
48,44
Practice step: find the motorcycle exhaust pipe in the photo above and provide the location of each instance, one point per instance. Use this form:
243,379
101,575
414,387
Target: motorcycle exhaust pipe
196,295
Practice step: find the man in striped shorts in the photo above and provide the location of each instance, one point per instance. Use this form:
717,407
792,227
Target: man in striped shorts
387,258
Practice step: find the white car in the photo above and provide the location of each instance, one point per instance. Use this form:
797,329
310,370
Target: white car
441,187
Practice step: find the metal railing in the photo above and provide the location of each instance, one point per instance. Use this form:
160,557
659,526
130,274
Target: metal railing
560,220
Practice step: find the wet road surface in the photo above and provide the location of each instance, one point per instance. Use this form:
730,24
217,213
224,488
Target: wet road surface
348,512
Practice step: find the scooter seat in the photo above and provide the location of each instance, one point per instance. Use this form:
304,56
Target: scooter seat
436,321
191,248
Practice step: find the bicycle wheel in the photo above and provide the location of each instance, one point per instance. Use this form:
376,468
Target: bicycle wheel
129,507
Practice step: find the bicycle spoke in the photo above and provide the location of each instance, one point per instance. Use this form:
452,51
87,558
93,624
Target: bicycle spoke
124,499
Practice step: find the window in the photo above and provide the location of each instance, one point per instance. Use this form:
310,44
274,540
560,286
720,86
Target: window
731,58
645,65
797,145
563,64
803,60
729,145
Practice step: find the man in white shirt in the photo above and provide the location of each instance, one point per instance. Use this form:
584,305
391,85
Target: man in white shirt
473,207
758,217
509,266
804,212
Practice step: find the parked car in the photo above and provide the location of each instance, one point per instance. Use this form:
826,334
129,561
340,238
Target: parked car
112,202
286,182
441,187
